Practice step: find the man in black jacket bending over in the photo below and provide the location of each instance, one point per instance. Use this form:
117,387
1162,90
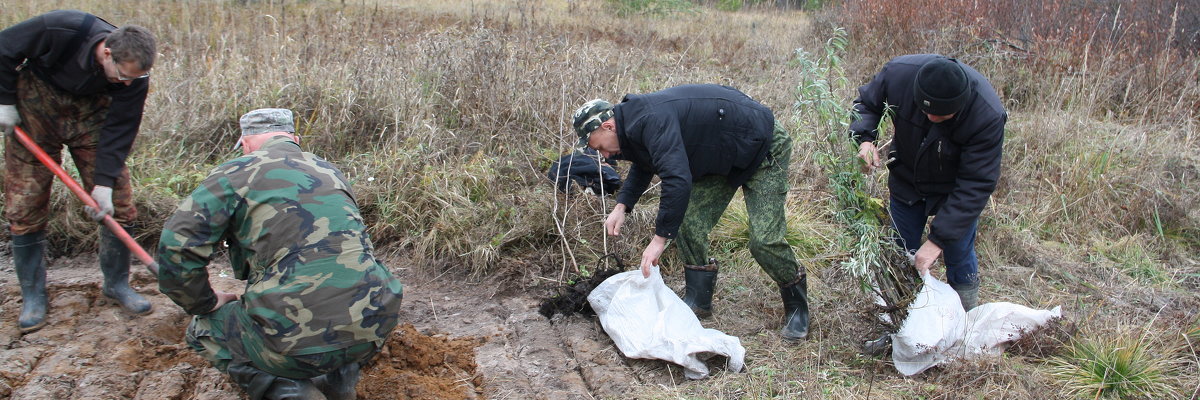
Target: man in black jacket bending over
703,142
71,79
944,159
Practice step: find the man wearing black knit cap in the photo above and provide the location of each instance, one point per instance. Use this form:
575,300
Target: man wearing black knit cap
944,160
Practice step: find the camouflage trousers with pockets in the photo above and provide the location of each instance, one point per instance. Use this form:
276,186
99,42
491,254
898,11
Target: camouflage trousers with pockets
54,119
766,197
228,337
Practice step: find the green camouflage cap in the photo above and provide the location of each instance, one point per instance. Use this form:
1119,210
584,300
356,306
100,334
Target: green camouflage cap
588,117
266,120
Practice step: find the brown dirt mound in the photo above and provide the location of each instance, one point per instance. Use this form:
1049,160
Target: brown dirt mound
416,366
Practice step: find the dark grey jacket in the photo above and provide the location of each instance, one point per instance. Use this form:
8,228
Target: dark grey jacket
953,165
688,132
39,43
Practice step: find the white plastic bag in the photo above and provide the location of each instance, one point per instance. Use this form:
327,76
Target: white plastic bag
938,330
647,320
933,328
991,325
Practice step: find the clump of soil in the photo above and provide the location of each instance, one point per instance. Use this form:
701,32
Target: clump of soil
416,366
572,298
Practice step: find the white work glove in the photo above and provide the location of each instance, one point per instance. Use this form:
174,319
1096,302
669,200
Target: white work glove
103,197
8,118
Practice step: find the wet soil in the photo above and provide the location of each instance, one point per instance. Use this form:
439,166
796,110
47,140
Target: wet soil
456,341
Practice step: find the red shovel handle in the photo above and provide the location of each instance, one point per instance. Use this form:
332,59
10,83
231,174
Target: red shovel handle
87,199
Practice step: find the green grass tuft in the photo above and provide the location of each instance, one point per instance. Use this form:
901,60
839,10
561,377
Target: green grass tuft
1114,366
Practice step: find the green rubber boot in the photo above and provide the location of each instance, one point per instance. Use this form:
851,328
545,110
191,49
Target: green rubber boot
114,262
29,259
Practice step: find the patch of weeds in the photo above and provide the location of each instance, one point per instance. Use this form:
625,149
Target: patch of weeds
806,233
656,8
1190,346
730,5
1133,259
1118,366
1045,341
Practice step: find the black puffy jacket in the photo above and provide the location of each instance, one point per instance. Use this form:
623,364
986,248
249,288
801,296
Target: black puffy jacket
953,165
688,132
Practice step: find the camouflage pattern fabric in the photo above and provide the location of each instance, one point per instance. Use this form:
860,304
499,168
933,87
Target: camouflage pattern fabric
589,116
765,194
296,236
226,337
54,119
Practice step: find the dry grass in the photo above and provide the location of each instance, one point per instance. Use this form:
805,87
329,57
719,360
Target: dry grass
1132,60
446,114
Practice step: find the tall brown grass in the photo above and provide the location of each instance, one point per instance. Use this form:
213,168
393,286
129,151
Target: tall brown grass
444,114
1135,60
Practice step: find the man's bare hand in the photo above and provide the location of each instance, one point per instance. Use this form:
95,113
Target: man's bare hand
926,255
222,299
870,156
652,253
615,219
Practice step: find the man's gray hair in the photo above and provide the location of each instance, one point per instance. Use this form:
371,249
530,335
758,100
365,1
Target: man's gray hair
132,43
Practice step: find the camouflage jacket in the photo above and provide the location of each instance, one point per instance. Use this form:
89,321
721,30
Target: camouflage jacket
295,235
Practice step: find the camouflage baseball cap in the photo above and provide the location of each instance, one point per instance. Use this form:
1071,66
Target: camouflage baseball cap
266,120
588,117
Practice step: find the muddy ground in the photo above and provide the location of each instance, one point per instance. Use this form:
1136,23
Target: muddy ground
457,341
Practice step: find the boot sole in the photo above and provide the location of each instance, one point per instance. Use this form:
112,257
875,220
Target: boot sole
702,314
148,309
34,328
794,338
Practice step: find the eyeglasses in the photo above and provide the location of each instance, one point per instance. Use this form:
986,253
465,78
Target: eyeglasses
121,77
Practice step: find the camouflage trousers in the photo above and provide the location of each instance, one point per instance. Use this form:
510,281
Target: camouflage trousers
228,337
54,119
766,196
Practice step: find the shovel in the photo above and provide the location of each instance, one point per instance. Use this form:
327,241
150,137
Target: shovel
87,200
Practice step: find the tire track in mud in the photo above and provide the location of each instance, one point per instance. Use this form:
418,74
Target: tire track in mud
523,354
600,364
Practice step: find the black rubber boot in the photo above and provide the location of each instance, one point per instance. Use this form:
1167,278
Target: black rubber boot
114,262
969,296
29,259
261,385
339,384
299,389
878,347
795,309
699,281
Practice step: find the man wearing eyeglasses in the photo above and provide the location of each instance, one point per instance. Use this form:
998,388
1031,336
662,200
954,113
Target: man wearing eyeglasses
71,79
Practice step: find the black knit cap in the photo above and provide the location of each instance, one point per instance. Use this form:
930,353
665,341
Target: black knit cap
942,87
